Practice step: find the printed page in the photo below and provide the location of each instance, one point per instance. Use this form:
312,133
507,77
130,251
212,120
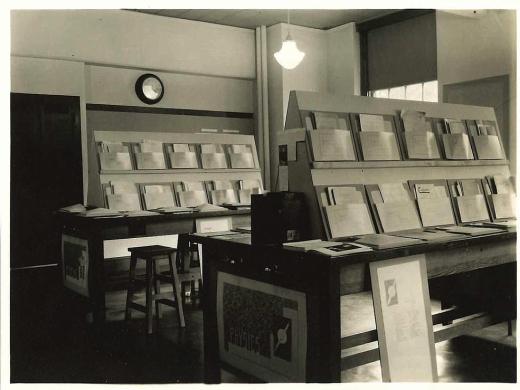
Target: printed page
414,121
488,147
457,147
378,146
394,192
421,145
472,208
369,122
396,216
436,211
348,220
332,145
152,160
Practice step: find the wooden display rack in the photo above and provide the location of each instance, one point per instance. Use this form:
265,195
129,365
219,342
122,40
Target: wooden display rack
312,177
99,177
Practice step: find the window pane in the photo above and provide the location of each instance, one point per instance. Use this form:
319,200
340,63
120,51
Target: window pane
414,92
397,93
381,93
430,93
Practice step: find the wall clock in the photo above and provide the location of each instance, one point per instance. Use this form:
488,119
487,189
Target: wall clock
149,88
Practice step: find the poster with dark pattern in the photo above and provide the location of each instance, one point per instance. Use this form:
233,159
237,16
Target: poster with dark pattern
262,328
75,263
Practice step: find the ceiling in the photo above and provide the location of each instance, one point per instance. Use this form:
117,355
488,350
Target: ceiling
252,18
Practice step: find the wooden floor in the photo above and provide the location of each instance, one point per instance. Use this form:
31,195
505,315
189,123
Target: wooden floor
51,343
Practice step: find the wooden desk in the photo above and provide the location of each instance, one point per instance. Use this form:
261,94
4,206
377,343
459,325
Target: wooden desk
96,230
323,280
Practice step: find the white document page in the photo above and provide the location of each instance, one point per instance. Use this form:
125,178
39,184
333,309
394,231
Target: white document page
369,122
436,211
488,147
184,160
332,145
457,147
396,216
348,220
394,192
504,205
414,121
158,199
150,160
472,208
421,145
379,146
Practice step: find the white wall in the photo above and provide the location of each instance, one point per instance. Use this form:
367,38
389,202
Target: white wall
331,65
134,39
114,85
343,64
477,48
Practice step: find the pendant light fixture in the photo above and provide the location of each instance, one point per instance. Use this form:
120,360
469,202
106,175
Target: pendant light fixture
289,56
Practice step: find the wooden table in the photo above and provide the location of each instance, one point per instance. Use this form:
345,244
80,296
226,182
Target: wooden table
96,230
323,280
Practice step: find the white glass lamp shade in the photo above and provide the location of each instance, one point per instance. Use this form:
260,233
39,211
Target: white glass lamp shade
289,56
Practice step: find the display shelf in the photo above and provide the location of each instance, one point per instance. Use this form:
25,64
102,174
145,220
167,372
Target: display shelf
306,175
404,164
100,178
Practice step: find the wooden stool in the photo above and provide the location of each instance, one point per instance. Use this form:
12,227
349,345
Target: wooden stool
151,254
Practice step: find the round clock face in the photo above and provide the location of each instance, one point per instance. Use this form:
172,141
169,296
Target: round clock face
149,88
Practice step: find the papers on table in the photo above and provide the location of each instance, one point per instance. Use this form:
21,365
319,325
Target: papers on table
100,212
379,145
429,235
347,220
332,145
174,210
470,230
457,147
305,246
75,208
385,241
342,249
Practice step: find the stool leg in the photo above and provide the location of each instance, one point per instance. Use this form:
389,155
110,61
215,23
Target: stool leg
149,286
177,291
157,290
130,290
509,327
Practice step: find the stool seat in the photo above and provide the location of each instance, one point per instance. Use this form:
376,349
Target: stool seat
151,254
151,250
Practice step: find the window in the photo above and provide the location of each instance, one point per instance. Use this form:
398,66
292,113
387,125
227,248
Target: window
426,92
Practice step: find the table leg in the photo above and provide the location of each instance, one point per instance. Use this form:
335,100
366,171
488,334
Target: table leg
209,304
97,280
